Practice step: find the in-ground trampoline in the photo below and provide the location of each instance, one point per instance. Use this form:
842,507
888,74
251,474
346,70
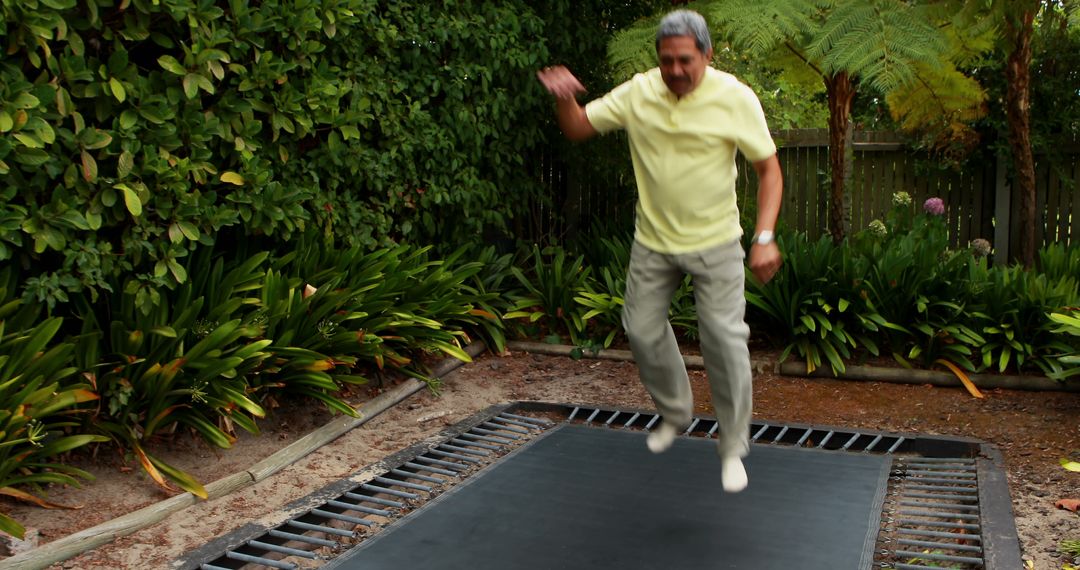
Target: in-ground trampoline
530,486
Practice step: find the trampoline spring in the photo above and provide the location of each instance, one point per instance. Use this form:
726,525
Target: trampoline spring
211,567
282,549
917,523
896,445
495,426
940,534
391,492
942,497
652,421
259,560
537,421
417,476
405,484
632,419
850,441
715,427
464,442
693,425
941,465
967,482
441,453
612,418
509,438
434,461
899,566
938,515
341,517
473,437
780,435
321,528
374,500
949,474
430,469
941,557
592,416
520,423
805,436
968,490
572,414
359,508
940,545
826,439
873,443
303,538
944,506
759,432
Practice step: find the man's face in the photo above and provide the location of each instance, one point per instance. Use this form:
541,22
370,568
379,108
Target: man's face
682,65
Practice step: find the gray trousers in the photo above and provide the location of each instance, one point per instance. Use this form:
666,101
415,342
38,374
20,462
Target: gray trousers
718,279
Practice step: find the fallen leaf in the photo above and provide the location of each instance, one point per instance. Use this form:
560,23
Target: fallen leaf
1070,465
1068,504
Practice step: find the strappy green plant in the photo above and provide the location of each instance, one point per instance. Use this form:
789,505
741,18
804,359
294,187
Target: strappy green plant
550,287
39,404
185,362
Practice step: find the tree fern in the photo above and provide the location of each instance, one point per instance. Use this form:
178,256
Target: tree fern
879,42
633,50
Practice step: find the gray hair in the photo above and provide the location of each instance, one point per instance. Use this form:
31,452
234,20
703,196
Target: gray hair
685,23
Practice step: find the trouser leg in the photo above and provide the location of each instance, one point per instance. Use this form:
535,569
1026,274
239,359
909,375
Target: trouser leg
718,276
651,280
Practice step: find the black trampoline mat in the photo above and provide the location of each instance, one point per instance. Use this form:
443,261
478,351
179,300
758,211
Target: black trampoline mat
595,498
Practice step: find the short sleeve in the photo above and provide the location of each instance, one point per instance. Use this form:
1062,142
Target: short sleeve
755,141
608,113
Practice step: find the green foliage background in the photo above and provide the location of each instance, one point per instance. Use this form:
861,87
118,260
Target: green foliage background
134,131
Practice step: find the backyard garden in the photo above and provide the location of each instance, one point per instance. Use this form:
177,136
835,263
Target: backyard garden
225,223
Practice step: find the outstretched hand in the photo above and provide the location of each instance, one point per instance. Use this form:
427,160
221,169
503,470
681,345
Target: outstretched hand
560,82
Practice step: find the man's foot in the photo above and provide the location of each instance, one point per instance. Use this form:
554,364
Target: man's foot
660,439
733,474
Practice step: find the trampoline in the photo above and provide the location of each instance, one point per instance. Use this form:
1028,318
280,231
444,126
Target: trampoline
529,486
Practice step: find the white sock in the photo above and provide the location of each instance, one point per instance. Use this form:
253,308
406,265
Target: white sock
660,439
733,474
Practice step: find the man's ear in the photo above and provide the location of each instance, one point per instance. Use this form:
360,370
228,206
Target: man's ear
709,54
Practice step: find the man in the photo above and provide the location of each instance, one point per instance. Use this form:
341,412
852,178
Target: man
685,121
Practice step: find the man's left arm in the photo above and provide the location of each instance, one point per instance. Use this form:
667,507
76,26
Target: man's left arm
765,258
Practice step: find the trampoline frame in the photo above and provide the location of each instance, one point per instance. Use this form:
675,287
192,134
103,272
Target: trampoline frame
949,488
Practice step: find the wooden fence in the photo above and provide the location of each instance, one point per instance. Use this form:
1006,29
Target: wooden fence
978,199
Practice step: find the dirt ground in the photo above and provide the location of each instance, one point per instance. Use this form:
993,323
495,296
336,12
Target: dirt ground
1032,429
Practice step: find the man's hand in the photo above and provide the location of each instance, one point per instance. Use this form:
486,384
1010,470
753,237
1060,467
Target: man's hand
765,261
560,82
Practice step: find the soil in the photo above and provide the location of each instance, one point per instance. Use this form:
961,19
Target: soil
1032,429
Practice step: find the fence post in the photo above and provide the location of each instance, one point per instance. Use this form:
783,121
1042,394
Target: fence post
1002,211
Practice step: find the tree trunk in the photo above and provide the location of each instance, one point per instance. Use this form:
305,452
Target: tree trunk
841,91
1019,29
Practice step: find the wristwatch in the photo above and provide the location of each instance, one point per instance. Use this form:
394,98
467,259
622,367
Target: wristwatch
764,237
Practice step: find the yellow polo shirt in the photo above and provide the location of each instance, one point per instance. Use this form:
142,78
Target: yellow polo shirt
683,152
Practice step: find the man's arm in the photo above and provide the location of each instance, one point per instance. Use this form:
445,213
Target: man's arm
571,115
765,260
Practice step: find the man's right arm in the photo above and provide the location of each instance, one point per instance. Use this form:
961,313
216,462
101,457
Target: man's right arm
572,118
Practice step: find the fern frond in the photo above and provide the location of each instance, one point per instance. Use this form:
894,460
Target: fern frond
758,27
633,50
878,41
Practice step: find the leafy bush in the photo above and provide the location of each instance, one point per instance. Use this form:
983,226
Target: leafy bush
132,132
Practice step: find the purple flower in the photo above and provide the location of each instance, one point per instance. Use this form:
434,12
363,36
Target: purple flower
934,207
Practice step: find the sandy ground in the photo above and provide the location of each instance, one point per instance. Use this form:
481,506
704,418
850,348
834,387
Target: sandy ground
1033,430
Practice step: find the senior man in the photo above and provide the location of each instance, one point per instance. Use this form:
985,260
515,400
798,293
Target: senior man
685,121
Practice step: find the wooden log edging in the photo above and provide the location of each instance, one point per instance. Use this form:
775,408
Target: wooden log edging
932,377
88,539
872,373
